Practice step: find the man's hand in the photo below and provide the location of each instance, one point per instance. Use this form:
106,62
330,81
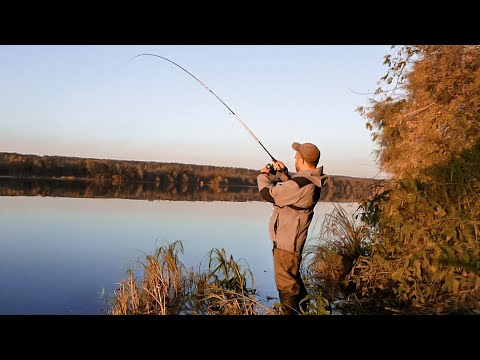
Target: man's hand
269,169
278,165
265,170
274,167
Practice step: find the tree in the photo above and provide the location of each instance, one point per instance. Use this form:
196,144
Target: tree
432,113
425,226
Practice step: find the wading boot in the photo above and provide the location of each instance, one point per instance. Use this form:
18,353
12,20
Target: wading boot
289,303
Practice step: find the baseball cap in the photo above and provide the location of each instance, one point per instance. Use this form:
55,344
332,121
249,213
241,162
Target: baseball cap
308,151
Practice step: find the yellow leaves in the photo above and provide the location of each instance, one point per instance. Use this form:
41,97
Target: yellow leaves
450,233
397,275
387,60
455,286
437,101
418,268
439,211
464,256
449,251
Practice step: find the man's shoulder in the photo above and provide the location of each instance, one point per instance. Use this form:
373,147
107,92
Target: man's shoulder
301,181
314,176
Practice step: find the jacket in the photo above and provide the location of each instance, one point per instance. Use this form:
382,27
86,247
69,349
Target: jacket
294,198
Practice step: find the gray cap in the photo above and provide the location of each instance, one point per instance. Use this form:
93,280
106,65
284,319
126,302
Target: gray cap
308,151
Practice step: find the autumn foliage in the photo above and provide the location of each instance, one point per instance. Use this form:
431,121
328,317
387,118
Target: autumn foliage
425,226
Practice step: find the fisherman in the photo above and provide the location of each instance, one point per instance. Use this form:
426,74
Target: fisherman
294,197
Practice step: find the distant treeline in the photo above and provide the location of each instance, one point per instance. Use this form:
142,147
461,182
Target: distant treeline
149,180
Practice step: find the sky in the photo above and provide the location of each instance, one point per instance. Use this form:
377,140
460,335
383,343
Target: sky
95,101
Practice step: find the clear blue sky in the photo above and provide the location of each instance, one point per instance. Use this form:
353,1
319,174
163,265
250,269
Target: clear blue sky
90,101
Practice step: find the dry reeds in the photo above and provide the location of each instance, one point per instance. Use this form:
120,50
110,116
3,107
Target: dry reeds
162,291
342,241
167,288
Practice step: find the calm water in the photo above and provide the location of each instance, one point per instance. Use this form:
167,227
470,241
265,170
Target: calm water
64,255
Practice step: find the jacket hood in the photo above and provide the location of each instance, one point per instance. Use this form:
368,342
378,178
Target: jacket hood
316,176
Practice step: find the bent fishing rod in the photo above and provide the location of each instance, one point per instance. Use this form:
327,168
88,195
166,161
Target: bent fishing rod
206,88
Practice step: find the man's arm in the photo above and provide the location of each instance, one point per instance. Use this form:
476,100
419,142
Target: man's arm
286,193
276,188
265,182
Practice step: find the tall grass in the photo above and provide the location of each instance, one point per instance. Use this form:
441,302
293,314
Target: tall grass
225,287
164,289
342,241
229,287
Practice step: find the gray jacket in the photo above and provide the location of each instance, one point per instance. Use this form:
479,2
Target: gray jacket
293,198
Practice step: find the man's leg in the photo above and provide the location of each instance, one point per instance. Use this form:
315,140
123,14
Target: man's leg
289,303
290,286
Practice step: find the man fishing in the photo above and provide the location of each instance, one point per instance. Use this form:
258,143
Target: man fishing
294,198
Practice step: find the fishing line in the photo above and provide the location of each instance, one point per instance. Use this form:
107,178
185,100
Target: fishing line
218,98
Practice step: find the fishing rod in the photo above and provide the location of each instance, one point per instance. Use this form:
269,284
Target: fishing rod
206,88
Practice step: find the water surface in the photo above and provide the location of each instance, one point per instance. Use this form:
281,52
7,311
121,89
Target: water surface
62,255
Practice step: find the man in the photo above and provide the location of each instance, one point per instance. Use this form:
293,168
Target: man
293,197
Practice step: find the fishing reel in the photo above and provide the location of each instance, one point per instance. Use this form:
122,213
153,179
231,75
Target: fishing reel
270,168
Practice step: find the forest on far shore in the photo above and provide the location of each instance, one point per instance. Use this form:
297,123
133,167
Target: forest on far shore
165,177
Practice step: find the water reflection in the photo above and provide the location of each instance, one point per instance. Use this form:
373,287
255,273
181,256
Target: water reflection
126,190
